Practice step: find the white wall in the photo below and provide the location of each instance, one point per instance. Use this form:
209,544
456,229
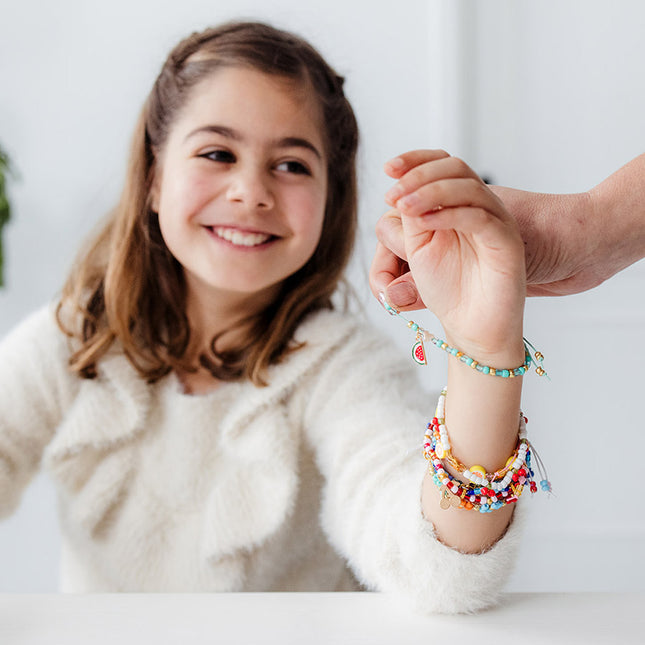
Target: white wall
557,101
540,95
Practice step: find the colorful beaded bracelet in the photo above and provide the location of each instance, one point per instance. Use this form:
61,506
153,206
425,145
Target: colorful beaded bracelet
485,492
419,353
475,474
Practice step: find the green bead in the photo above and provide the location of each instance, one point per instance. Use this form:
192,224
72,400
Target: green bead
504,373
485,370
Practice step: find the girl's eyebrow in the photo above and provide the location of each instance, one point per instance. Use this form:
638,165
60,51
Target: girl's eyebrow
230,133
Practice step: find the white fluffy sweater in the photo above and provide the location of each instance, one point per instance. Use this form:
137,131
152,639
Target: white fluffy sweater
312,483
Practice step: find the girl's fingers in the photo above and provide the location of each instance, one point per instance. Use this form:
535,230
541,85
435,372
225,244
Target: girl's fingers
390,275
389,232
398,166
427,173
386,267
402,293
476,222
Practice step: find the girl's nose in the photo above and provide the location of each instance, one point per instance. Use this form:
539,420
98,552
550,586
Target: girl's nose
249,187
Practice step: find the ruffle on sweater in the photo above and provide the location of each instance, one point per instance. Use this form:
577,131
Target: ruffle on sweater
94,454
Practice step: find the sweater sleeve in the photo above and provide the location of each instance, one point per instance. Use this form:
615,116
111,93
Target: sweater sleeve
35,389
365,417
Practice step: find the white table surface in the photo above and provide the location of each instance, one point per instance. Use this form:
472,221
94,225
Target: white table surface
312,618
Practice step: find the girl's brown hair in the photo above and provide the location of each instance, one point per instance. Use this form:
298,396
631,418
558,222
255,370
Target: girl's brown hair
127,287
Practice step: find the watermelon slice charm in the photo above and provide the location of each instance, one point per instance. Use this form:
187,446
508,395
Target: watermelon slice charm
419,353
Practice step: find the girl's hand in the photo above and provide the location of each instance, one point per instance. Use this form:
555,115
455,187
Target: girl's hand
451,238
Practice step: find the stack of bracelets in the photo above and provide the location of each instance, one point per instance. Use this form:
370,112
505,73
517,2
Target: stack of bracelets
476,489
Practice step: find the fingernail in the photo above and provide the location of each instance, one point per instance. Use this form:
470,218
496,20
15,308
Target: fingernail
393,194
395,163
386,305
401,295
409,200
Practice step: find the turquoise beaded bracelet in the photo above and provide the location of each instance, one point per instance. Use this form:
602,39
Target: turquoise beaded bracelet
419,354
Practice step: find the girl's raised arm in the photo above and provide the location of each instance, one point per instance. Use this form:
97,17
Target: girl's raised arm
465,255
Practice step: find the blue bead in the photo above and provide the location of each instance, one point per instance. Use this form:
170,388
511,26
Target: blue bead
503,373
415,327
454,351
486,370
468,360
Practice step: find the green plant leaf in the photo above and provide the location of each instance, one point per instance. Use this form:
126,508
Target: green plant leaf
5,209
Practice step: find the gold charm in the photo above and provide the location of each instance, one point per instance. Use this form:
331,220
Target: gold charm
448,499
445,498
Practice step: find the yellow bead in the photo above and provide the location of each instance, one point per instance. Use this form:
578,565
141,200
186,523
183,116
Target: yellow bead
410,323
458,354
539,371
478,470
492,371
538,356
509,461
474,365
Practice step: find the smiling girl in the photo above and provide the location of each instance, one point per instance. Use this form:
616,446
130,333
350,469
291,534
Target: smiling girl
210,421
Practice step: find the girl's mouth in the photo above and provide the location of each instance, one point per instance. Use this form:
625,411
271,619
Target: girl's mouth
240,238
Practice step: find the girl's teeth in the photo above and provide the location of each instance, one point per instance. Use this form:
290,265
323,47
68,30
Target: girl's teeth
241,239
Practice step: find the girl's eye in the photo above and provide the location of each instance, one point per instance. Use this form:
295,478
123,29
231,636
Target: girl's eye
222,156
294,167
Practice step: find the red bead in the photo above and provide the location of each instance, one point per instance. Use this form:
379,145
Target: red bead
521,472
515,477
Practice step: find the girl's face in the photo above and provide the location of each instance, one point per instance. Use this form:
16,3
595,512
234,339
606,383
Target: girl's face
241,183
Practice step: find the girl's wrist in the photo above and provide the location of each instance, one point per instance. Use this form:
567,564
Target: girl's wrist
504,353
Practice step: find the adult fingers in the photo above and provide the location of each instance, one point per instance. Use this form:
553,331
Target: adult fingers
447,193
429,172
398,166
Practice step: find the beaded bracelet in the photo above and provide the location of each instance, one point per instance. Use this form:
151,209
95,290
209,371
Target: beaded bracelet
483,492
475,474
419,353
